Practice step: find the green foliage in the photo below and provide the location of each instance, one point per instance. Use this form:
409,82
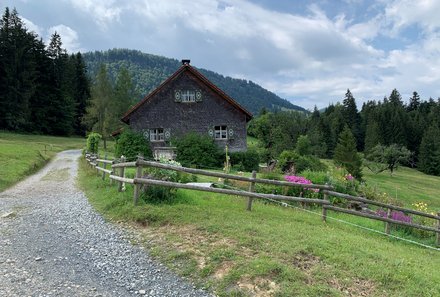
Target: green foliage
303,145
245,161
93,142
391,156
198,150
346,154
430,151
130,144
299,163
42,89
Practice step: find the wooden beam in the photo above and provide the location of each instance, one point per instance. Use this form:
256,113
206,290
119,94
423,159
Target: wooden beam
227,191
372,202
379,218
230,176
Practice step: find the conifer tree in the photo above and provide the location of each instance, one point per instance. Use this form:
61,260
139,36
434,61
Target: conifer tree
346,154
429,157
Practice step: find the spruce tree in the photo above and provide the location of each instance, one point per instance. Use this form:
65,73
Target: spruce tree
346,154
429,157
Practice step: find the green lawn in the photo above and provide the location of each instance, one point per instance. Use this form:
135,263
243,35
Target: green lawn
271,251
408,185
22,155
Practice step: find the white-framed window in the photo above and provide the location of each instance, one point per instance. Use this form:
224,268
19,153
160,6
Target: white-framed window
220,132
188,96
156,134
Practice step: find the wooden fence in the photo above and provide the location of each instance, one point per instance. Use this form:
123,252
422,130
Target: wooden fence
116,172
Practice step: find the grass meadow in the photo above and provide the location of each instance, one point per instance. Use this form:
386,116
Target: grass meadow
271,251
22,155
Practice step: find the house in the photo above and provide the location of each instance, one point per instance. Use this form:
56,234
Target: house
188,102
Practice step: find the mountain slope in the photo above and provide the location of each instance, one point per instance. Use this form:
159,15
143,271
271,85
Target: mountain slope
149,71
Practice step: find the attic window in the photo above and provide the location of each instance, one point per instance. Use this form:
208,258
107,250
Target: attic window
188,96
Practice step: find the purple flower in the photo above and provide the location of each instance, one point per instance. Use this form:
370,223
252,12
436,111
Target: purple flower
395,215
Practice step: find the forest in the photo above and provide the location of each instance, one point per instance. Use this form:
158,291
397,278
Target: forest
382,130
42,88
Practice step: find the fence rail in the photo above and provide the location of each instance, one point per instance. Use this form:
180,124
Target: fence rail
118,166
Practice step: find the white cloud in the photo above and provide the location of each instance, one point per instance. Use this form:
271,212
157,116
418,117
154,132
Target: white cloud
69,37
309,55
31,26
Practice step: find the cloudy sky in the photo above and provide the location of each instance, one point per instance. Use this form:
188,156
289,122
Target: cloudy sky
308,52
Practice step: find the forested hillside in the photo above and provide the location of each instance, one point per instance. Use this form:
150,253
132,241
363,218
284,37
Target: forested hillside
149,71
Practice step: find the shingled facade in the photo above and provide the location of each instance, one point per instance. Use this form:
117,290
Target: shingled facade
188,102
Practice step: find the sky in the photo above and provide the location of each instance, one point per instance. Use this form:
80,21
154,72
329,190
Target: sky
308,52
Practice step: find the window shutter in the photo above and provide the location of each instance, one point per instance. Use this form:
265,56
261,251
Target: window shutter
211,132
150,131
147,134
198,96
231,133
167,133
177,96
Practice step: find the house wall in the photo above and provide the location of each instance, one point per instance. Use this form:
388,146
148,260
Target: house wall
161,111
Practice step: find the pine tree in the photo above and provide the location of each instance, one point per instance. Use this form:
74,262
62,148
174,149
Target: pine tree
429,157
351,115
98,114
346,154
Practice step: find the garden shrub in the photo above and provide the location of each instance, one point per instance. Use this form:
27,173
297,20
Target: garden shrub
194,150
245,161
160,194
93,142
130,144
299,162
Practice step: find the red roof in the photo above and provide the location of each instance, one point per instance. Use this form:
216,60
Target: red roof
200,76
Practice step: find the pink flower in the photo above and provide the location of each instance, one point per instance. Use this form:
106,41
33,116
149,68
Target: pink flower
300,180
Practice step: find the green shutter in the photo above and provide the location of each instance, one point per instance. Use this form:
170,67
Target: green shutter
198,96
177,96
231,133
146,134
167,133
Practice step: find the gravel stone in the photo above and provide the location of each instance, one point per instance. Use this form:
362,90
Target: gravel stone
55,244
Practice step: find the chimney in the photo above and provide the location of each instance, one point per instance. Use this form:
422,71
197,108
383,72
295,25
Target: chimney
186,62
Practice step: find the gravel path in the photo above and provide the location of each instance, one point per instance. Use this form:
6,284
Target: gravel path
52,243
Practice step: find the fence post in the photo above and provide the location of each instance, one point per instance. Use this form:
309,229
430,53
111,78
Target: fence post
104,166
388,224
122,174
438,234
113,171
324,209
251,189
137,187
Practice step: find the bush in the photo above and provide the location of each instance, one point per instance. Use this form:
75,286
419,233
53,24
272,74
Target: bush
245,161
130,144
299,162
199,151
93,142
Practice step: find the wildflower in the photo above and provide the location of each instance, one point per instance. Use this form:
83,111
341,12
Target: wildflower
300,180
348,177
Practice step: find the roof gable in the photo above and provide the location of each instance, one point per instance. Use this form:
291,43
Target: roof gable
201,78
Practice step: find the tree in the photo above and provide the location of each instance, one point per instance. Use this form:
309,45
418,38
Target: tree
351,115
346,154
389,157
98,113
414,102
303,145
429,157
